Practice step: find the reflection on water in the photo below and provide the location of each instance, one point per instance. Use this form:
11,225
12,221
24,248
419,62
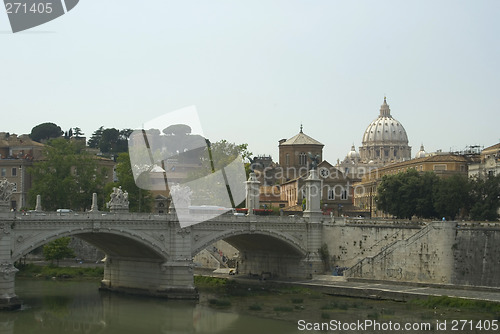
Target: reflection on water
78,307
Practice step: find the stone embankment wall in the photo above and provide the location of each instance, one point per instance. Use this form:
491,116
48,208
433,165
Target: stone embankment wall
435,252
85,251
351,240
476,254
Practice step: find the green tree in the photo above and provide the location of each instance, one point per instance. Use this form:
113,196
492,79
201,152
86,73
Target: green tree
66,177
77,132
95,139
452,196
407,194
485,198
140,200
45,131
58,250
112,141
424,206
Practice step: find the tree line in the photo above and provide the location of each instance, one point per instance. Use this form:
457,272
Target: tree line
68,174
108,141
425,195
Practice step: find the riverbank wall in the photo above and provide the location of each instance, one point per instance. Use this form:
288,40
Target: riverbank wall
460,253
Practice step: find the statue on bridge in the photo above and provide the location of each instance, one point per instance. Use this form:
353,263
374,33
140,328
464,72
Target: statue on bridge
119,200
181,196
6,190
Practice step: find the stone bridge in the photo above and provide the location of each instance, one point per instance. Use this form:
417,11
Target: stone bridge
152,255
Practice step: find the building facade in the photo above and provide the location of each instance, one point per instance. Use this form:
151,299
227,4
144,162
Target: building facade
17,154
489,164
294,155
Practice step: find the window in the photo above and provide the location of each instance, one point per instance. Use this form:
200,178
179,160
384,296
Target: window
302,158
14,187
331,193
287,159
3,172
439,167
14,171
343,195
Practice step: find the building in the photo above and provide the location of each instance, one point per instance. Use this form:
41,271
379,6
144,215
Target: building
17,154
443,164
296,159
294,155
489,163
384,141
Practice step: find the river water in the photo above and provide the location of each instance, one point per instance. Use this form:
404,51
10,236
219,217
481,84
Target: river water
78,307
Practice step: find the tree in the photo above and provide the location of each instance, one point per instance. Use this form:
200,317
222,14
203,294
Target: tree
45,131
215,157
96,138
485,198
110,140
66,177
77,132
407,194
452,195
57,250
140,200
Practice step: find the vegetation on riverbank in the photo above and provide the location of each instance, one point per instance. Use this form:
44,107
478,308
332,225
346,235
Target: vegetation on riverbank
290,303
434,302
31,270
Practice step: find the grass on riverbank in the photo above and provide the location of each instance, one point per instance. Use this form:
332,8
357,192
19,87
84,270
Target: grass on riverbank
31,270
288,302
433,302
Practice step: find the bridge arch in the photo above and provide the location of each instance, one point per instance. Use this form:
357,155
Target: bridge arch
249,240
266,253
112,242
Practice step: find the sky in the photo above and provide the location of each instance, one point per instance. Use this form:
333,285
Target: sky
256,70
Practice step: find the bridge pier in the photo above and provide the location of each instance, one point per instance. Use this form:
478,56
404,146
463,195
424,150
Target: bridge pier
158,278
8,298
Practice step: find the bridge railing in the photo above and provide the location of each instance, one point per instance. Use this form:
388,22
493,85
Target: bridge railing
129,216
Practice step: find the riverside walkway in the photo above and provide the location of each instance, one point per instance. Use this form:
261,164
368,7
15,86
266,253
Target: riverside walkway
398,291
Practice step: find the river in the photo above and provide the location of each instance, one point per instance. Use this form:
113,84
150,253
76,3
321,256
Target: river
79,307
54,307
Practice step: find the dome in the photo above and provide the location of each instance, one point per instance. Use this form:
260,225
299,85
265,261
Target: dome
421,153
385,129
385,139
353,155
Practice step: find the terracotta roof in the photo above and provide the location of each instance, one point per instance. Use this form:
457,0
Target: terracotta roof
16,141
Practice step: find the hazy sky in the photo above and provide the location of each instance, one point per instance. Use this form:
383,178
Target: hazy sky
256,70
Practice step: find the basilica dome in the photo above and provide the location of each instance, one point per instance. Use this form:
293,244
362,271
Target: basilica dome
385,128
385,139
